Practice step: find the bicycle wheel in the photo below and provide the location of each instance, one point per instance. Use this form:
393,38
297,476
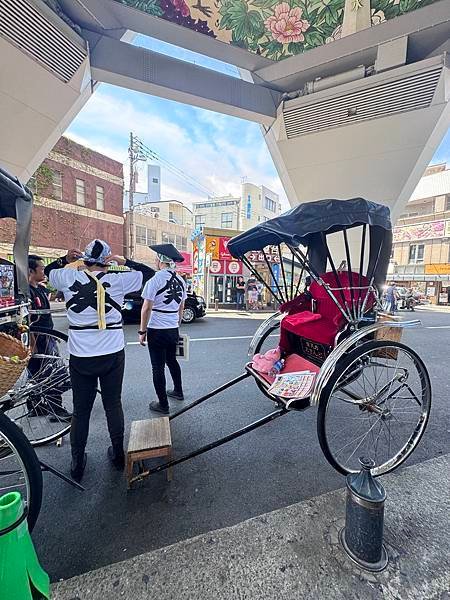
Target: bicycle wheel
35,401
376,404
19,468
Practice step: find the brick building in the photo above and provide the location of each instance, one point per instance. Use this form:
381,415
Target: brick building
78,197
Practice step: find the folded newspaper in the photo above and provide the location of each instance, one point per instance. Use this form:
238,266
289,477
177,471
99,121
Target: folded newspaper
293,385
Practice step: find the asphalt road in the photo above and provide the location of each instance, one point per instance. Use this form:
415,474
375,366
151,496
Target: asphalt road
274,466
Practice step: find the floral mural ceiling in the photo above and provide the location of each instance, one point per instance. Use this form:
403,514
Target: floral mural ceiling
273,28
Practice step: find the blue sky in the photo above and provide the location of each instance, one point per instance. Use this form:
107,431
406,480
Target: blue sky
214,149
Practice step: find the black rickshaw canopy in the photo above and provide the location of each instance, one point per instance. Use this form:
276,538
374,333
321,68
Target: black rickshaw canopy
16,202
297,226
304,231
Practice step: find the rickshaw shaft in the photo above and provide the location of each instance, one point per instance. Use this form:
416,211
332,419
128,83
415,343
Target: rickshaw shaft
270,417
211,394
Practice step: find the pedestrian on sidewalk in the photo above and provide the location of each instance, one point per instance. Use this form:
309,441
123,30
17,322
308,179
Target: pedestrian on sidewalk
94,299
252,293
161,314
49,405
240,292
391,298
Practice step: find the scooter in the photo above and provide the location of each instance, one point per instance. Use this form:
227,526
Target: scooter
407,303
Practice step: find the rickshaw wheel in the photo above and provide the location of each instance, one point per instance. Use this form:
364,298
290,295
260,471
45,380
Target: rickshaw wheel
258,348
376,404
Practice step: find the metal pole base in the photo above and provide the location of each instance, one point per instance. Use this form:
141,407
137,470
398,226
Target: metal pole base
372,567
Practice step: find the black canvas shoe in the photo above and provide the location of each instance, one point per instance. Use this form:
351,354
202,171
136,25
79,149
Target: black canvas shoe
117,457
77,468
156,407
175,395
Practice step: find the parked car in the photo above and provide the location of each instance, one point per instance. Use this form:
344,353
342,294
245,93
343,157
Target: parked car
194,308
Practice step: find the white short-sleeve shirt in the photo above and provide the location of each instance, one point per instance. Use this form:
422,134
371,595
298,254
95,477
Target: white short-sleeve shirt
80,295
167,291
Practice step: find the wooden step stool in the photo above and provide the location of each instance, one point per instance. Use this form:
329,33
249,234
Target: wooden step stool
148,439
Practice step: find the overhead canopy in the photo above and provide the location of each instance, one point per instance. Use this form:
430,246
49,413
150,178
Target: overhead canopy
10,190
296,226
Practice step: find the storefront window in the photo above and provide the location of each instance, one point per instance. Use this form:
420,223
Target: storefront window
223,289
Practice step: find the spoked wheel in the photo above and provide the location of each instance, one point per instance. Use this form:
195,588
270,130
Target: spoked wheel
42,396
19,468
376,404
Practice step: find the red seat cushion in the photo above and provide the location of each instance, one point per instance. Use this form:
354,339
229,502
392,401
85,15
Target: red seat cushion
311,326
293,321
323,325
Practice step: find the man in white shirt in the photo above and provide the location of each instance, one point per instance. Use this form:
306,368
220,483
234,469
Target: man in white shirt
164,295
94,299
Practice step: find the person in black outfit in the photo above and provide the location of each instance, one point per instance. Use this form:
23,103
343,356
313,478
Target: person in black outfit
42,369
94,299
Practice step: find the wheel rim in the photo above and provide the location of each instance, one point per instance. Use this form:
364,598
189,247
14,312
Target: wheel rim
33,402
188,314
378,408
13,474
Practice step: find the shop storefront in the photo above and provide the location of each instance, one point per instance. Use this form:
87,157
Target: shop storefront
222,271
214,270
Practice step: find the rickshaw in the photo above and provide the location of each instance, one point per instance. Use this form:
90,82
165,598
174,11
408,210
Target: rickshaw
372,392
37,367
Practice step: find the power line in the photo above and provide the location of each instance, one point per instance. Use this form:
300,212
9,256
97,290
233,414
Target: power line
145,152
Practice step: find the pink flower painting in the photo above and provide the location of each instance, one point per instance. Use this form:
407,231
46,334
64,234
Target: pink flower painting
286,24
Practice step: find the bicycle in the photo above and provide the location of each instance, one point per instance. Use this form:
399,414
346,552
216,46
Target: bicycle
33,401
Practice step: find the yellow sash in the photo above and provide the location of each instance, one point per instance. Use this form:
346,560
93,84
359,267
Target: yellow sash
101,321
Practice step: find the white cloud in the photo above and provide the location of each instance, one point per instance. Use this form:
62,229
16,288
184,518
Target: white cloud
218,162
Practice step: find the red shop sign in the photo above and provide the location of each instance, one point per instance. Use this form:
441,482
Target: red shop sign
223,249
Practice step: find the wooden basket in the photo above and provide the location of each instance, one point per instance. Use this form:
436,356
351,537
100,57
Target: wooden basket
391,334
10,371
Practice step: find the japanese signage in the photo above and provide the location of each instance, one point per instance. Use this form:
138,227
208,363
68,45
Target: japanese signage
447,228
225,267
234,267
216,267
271,252
198,256
212,246
6,285
421,231
217,246
223,249
186,265
438,269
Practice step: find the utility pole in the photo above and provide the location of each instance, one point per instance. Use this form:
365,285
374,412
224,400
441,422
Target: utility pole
133,156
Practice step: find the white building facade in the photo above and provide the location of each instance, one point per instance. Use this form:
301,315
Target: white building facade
255,205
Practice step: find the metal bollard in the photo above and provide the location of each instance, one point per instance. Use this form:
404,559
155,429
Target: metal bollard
362,536
216,305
